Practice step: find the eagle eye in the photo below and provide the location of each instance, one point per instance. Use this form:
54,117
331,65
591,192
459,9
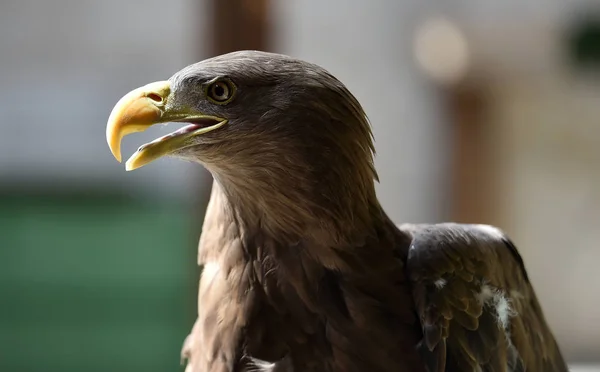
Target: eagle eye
220,91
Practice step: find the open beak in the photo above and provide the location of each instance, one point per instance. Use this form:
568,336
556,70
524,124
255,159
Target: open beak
152,104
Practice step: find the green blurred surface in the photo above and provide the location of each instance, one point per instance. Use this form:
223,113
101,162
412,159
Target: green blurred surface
94,284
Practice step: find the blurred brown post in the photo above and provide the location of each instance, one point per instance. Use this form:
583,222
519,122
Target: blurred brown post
472,176
238,25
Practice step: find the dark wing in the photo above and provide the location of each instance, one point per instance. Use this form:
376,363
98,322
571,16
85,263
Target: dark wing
477,307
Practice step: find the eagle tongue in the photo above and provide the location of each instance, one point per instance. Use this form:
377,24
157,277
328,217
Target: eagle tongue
186,129
183,130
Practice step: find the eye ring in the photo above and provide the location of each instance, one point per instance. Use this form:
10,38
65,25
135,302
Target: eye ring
221,91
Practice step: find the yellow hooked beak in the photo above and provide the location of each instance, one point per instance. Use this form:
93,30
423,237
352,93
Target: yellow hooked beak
141,108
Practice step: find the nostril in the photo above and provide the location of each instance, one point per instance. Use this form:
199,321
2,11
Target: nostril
155,97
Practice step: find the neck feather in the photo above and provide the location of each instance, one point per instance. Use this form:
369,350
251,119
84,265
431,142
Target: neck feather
298,209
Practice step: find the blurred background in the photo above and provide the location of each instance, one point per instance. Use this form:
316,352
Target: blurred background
483,111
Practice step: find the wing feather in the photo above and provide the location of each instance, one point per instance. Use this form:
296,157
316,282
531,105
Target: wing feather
477,308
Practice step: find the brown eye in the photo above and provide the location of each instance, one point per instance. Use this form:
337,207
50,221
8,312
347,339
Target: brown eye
220,91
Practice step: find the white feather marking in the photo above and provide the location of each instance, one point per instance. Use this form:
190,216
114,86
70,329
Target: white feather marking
498,300
485,294
440,283
503,310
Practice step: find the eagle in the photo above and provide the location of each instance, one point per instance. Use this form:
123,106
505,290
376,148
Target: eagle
303,270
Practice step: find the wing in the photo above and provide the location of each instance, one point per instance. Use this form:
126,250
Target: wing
477,307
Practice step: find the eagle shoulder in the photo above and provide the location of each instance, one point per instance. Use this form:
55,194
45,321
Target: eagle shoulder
477,308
